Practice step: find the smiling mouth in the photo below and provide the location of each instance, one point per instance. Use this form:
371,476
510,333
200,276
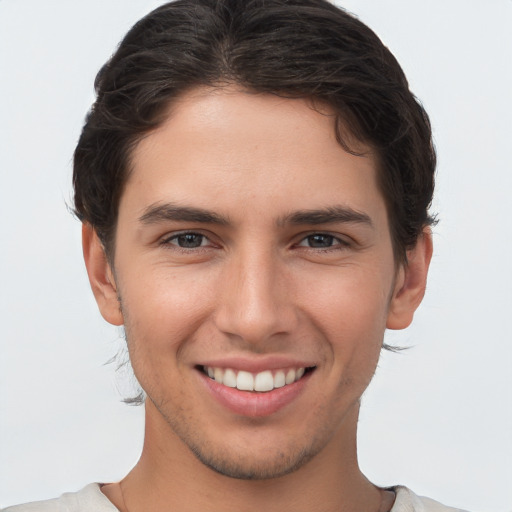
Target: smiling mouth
260,382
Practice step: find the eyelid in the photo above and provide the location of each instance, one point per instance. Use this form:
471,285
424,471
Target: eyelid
167,239
343,241
340,240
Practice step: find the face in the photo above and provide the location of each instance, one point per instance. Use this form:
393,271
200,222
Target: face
256,276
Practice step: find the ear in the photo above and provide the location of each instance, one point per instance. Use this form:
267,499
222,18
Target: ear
101,276
410,284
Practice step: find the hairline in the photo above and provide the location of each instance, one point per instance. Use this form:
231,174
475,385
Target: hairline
345,137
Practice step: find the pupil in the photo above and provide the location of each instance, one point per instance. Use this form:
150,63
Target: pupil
190,240
320,241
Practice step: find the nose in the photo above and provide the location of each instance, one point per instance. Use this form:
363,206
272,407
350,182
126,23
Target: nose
255,303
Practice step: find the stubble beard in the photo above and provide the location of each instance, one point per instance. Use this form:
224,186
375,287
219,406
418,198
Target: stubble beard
241,466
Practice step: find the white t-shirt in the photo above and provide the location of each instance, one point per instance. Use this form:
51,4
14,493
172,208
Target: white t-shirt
91,499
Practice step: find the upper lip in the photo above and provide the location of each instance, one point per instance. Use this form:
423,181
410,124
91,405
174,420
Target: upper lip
257,364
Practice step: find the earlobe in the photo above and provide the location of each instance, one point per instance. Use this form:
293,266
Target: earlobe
410,283
101,276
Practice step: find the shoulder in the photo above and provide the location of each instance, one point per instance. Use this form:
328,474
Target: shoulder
407,501
89,499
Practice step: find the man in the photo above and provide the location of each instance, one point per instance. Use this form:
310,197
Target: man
254,182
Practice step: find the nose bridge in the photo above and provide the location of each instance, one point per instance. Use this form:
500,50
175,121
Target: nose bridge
254,304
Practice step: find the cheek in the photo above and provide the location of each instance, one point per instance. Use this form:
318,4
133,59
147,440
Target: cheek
349,308
163,308
161,318
349,297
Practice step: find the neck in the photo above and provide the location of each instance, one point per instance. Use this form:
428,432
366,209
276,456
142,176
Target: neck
169,477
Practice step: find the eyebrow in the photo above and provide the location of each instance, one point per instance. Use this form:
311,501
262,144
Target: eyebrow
161,212
327,215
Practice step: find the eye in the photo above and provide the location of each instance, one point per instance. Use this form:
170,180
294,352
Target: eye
187,240
321,241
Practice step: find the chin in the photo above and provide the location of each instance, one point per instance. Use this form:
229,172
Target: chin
250,467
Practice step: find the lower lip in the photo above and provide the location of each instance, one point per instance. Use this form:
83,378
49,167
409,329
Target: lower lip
254,404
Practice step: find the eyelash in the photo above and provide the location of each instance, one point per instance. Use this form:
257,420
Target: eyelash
168,241
337,242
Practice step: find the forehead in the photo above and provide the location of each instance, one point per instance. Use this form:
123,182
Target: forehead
239,152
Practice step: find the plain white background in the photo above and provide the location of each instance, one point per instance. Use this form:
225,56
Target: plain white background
437,417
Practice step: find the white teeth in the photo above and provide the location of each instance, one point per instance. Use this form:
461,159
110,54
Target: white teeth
260,382
290,377
279,379
245,381
229,378
264,381
218,375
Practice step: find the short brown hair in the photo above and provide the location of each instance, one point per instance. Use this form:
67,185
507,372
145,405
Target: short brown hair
292,48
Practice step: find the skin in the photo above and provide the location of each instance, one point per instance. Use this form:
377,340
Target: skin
259,285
